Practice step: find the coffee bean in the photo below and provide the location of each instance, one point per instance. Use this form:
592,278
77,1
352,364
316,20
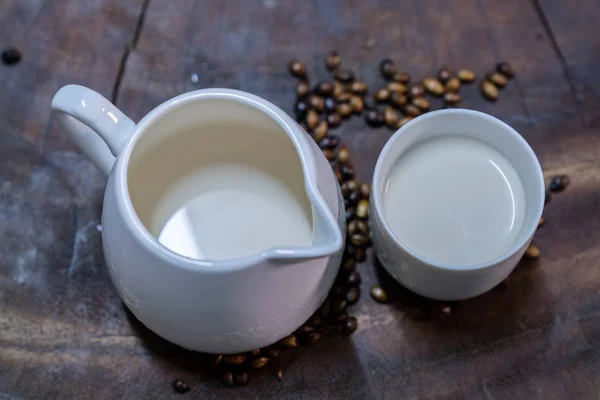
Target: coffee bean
242,378
344,75
234,359
259,362
357,104
387,67
445,309
360,241
349,265
348,187
416,90
350,212
390,116
358,87
353,197
227,378
505,69
452,85
180,386
381,95
451,98
362,226
297,69
350,326
317,103
399,100
348,172
412,110
10,56
421,103
324,88
466,75
344,110
217,360
343,97
559,183
255,352
352,295
401,77
332,60
315,337
541,222
301,109
320,131
489,90
330,142
334,120
338,291
338,306
279,374
433,86
352,227
497,79
365,189
338,88
326,307
339,319
403,121
290,341
378,294
315,320
444,74
311,120
374,118
330,105
532,252
329,154
343,155
361,255
396,87
362,209
353,279
302,89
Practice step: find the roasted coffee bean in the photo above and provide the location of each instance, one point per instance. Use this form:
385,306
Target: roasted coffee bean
352,295
466,75
378,294
452,85
433,86
445,309
330,142
532,252
421,103
374,118
338,88
324,88
361,255
352,227
301,109
320,131
362,209
505,69
273,352
497,79
315,337
344,110
290,341
329,154
334,120
311,120
344,75
338,306
317,103
360,241
350,326
10,56
338,174
353,279
444,74
365,189
387,67
235,359
350,212
559,183
353,197
302,89
343,97
451,98
279,374
255,352
489,90
396,87
315,320
242,378
349,265
412,110
180,386
381,95
297,69
343,155
348,172
259,362
348,187
330,105
349,251
338,291
416,91
357,104
358,87
401,77
217,360
548,197
399,100
326,307
227,378
403,121
362,226
340,318
333,60
541,222
390,116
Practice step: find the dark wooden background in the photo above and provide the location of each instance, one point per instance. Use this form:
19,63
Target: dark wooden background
65,334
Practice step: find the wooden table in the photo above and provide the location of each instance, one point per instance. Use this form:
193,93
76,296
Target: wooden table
64,333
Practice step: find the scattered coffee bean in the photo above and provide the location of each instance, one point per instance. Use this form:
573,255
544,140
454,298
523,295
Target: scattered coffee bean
446,309
290,341
421,103
374,118
403,121
326,307
180,386
360,241
235,359
344,110
466,75
381,95
387,67
352,227
357,104
297,69
334,120
338,306
353,279
344,75
320,131
444,74
329,154
315,337
259,362
330,142
317,103
362,209
532,252
361,255
390,116
559,183
497,79
354,197
301,108
227,378
338,88
315,320
350,213
347,172
411,110
451,98
505,69
452,85
344,97
302,89
433,86
338,291
330,105
350,326
358,87
311,120
343,155
217,360
11,56
349,265
255,352
352,295
402,77
396,87
489,90
279,374
242,378
332,60
541,222
365,190
378,294
363,226
324,88
340,318
416,90
399,100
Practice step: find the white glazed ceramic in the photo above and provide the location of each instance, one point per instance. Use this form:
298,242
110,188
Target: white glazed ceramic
220,306
439,281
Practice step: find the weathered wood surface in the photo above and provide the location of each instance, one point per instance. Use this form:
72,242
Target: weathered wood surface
65,334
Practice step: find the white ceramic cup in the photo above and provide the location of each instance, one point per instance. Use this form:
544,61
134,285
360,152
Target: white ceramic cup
437,280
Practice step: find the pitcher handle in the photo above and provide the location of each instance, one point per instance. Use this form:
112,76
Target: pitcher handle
93,123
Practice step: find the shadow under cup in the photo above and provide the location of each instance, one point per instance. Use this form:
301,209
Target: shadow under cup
448,281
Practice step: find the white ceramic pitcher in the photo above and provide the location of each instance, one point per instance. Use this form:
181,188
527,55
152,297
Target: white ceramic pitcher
223,306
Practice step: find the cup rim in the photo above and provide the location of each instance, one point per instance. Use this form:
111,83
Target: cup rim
378,206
